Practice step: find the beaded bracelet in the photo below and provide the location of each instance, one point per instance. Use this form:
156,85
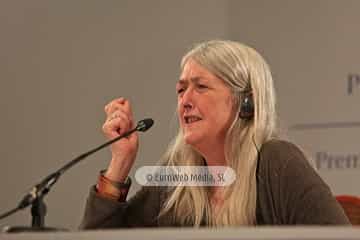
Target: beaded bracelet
112,190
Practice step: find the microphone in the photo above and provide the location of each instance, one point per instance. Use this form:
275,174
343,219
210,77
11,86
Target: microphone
144,125
42,188
45,185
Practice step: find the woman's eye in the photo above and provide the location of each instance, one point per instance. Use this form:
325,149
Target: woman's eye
201,86
180,90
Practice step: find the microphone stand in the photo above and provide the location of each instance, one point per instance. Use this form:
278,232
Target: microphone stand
38,192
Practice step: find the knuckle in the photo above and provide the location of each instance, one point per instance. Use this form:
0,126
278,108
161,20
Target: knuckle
104,128
120,100
106,124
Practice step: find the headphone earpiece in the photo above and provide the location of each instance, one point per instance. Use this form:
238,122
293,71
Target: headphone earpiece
247,105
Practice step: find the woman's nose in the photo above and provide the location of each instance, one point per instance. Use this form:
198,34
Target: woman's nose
188,106
187,99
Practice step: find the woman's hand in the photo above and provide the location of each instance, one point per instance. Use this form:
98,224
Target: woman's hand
119,119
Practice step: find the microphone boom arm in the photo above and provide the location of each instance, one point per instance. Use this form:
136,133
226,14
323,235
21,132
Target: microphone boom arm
38,192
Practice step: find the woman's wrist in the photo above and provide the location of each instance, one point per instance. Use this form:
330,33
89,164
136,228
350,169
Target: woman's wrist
110,189
118,170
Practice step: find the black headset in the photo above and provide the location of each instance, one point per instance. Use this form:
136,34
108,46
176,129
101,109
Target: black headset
247,104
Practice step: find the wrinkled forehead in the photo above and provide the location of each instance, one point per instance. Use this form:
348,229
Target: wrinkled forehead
194,72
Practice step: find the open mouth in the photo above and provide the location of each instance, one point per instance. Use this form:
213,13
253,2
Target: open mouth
191,119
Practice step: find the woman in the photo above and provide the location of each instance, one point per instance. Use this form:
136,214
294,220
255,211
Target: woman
226,110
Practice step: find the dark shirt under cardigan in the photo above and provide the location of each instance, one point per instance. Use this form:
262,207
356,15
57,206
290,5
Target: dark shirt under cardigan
289,191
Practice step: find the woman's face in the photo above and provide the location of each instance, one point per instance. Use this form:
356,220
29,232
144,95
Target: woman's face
205,106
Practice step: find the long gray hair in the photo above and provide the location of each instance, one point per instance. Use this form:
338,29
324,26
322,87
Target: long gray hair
238,66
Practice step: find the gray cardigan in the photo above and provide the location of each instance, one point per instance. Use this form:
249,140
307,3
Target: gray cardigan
289,191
